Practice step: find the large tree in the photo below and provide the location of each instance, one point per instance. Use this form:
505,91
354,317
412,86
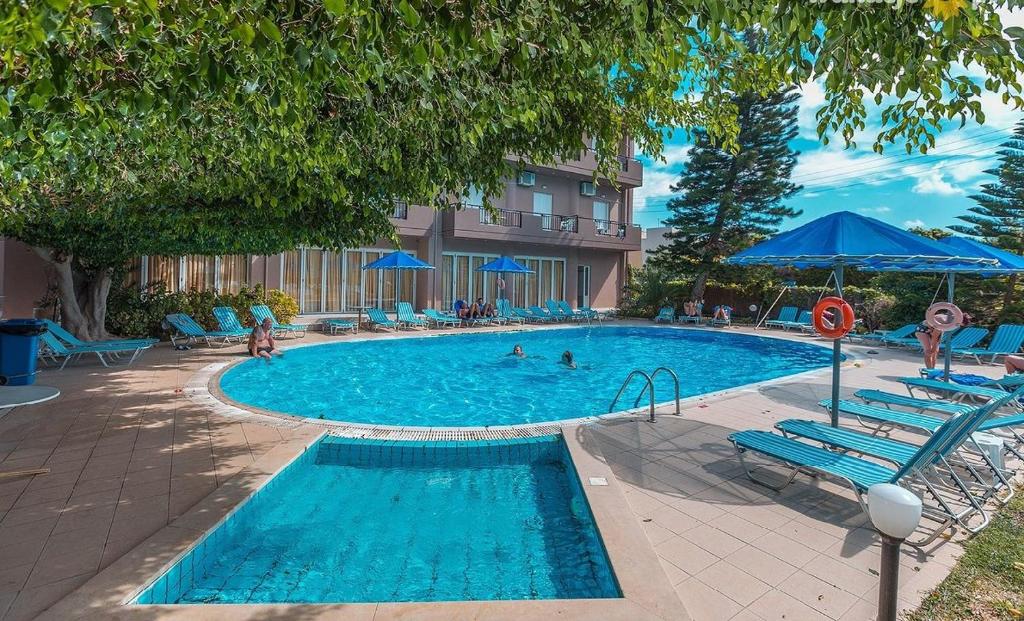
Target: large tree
140,126
998,217
730,198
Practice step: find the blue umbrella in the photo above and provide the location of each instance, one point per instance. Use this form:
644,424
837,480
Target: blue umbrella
846,238
398,260
502,265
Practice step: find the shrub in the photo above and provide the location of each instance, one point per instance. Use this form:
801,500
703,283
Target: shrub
131,312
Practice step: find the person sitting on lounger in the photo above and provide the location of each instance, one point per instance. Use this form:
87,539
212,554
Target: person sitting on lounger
481,309
462,310
517,351
1014,364
722,312
568,360
261,341
690,308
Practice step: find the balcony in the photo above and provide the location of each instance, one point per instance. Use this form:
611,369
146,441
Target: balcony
511,225
411,219
630,170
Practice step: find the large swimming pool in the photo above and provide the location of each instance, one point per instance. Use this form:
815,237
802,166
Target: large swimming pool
468,379
374,521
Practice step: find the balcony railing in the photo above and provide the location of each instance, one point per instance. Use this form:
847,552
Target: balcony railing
400,211
565,224
501,217
610,228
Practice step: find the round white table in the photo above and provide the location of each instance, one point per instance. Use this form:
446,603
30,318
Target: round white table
17,396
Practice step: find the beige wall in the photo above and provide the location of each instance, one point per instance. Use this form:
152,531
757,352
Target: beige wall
24,279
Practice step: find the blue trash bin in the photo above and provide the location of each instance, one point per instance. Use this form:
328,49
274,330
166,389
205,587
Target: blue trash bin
19,344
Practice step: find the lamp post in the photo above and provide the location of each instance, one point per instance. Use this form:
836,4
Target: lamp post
895,513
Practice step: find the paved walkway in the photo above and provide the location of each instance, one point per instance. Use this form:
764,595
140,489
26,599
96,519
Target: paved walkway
128,453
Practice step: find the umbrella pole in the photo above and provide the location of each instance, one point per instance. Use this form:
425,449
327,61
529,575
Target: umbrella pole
837,352
948,336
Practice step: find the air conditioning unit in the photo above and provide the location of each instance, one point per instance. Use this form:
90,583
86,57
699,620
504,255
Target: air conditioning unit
588,188
527,179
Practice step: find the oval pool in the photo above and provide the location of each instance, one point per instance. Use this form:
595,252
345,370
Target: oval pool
466,379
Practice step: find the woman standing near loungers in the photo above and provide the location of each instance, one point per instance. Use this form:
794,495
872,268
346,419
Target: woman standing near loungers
930,339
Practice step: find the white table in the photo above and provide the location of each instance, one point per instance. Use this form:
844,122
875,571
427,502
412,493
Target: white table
16,396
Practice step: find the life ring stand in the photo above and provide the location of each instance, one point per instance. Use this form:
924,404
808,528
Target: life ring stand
932,316
833,330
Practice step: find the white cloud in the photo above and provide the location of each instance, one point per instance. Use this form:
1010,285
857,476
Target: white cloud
930,181
676,154
810,194
913,224
655,190
965,170
812,96
876,210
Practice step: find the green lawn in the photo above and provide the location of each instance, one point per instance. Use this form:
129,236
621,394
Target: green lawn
988,582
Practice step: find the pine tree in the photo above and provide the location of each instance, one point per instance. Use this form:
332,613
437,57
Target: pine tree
731,199
998,217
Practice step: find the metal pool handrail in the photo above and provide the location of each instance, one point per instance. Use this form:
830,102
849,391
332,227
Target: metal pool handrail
675,379
650,383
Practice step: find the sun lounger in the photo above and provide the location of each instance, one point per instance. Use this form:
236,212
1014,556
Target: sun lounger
803,320
860,473
53,348
228,321
1006,341
441,320
952,390
504,309
262,311
787,314
556,311
580,314
72,341
336,325
540,313
919,405
718,321
379,320
407,317
188,330
667,313
881,336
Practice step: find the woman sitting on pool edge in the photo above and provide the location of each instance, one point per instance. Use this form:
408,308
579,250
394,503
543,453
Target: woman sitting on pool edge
261,341
568,360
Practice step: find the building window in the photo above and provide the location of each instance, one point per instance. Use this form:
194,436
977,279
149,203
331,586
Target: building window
460,279
291,274
166,270
602,216
474,196
336,281
542,205
200,273
546,282
232,273
195,272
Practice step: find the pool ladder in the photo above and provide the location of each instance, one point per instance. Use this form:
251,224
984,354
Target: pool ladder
648,384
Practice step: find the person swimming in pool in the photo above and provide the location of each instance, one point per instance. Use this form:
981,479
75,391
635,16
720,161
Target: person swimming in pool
568,360
261,341
517,351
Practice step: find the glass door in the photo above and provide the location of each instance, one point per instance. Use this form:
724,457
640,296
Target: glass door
542,206
582,286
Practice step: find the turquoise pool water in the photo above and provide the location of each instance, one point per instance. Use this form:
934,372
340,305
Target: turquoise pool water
467,379
359,521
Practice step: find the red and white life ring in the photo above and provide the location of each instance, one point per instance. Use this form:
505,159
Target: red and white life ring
944,316
840,322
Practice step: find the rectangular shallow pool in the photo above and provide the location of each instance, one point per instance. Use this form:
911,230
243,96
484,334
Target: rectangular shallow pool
386,521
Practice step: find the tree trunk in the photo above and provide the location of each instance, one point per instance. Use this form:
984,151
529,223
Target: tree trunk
83,297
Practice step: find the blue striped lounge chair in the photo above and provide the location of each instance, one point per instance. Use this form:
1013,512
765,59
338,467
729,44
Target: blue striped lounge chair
719,322
228,321
667,313
441,320
557,312
803,320
188,330
1006,341
505,312
51,347
407,317
262,311
581,314
880,336
786,315
861,473
380,320
961,339
337,324
73,341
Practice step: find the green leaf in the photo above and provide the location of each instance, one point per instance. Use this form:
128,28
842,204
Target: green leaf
58,5
335,7
244,33
419,54
409,14
269,29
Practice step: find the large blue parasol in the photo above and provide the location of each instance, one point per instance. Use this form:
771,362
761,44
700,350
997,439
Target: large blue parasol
846,238
504,265
398,260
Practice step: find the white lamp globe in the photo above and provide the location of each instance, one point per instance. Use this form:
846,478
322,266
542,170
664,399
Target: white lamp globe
753,307
894,511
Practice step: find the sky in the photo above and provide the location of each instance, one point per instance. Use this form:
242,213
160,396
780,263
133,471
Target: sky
904,190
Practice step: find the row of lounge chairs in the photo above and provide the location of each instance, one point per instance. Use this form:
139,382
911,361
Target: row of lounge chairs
61,347
965,342
667,314
949,469
185,330
792,318
505,313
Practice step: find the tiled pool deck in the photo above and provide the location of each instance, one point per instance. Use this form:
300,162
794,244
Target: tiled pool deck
130,452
